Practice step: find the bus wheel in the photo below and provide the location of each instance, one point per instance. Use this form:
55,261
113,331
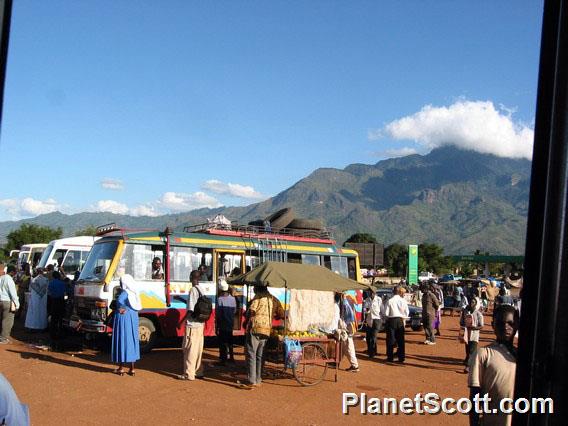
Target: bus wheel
147,333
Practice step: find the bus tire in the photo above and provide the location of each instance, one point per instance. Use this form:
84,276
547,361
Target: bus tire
281,218
147,334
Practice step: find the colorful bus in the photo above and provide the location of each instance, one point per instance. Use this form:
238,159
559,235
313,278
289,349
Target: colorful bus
220,251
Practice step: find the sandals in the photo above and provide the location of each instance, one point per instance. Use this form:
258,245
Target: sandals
118,372
183,377
132,373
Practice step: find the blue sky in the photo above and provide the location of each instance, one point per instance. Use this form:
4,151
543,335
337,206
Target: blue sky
139,109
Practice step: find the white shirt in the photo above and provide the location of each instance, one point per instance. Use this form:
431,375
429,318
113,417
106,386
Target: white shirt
372,308
397,307
191,301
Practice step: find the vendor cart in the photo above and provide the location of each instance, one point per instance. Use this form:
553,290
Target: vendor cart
318,355
320,351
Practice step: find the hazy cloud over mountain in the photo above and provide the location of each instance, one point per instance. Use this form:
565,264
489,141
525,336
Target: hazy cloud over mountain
232,189
177,201
472,125
28,207
111,207
395,153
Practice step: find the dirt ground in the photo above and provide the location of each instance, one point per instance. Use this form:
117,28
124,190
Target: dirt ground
77,387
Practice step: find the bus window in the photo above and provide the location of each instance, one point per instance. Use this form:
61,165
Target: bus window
310,259
202,260
339,264
351,267
58,257
98,261
182,261
294,258
137,260
229,264
251,263
84,256
72,262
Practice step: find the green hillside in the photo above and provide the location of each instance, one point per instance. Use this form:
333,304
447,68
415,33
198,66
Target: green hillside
459,199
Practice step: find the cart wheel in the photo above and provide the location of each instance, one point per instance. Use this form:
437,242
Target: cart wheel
312,367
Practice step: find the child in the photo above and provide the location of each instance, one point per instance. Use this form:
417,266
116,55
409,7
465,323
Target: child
471,321
492,368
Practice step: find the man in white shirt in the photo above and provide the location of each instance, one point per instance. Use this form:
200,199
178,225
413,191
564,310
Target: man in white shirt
396,313
372,310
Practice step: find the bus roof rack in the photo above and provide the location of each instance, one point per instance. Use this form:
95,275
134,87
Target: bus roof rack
113,227
105,229
251,230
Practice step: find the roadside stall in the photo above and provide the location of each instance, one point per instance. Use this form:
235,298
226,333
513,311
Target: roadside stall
306,342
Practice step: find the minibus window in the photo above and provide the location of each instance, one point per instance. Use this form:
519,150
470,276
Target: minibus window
310,259
182,261
137,260
46,255
72,262
351,268
57,259
251,262
98,262
339,264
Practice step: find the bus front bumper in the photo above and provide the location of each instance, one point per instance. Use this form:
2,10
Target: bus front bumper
84,325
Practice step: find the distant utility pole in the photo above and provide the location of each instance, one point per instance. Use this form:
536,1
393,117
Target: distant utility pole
5,18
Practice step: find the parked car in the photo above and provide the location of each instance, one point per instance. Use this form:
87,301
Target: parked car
425,276
450,277
415,319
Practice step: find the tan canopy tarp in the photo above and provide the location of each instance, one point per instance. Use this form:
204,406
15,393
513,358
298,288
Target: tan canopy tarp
297,276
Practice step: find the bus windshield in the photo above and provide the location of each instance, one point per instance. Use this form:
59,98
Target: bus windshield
45,256
99,261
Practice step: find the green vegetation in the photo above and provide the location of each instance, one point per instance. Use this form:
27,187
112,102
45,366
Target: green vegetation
89,231
458,200
396,259
362,238
30,234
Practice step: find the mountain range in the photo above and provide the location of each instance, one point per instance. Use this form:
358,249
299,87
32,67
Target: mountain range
461,200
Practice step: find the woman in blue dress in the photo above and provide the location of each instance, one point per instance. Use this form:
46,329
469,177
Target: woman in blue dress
125,338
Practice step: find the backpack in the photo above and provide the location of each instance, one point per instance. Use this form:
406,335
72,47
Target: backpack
203,308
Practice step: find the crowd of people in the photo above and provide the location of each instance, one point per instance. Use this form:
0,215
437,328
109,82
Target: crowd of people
44,310
490,369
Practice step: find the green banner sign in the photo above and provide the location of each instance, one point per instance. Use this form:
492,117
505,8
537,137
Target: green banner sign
412,264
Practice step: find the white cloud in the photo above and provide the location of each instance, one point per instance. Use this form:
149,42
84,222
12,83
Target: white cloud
177,201
111,207
28,207
144,210
112,184
477,126
394,153
232,189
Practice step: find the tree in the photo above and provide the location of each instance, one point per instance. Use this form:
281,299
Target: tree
396,259
29,234
361,238
433,259
89,231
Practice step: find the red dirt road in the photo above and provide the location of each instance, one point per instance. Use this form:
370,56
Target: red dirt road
78,387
